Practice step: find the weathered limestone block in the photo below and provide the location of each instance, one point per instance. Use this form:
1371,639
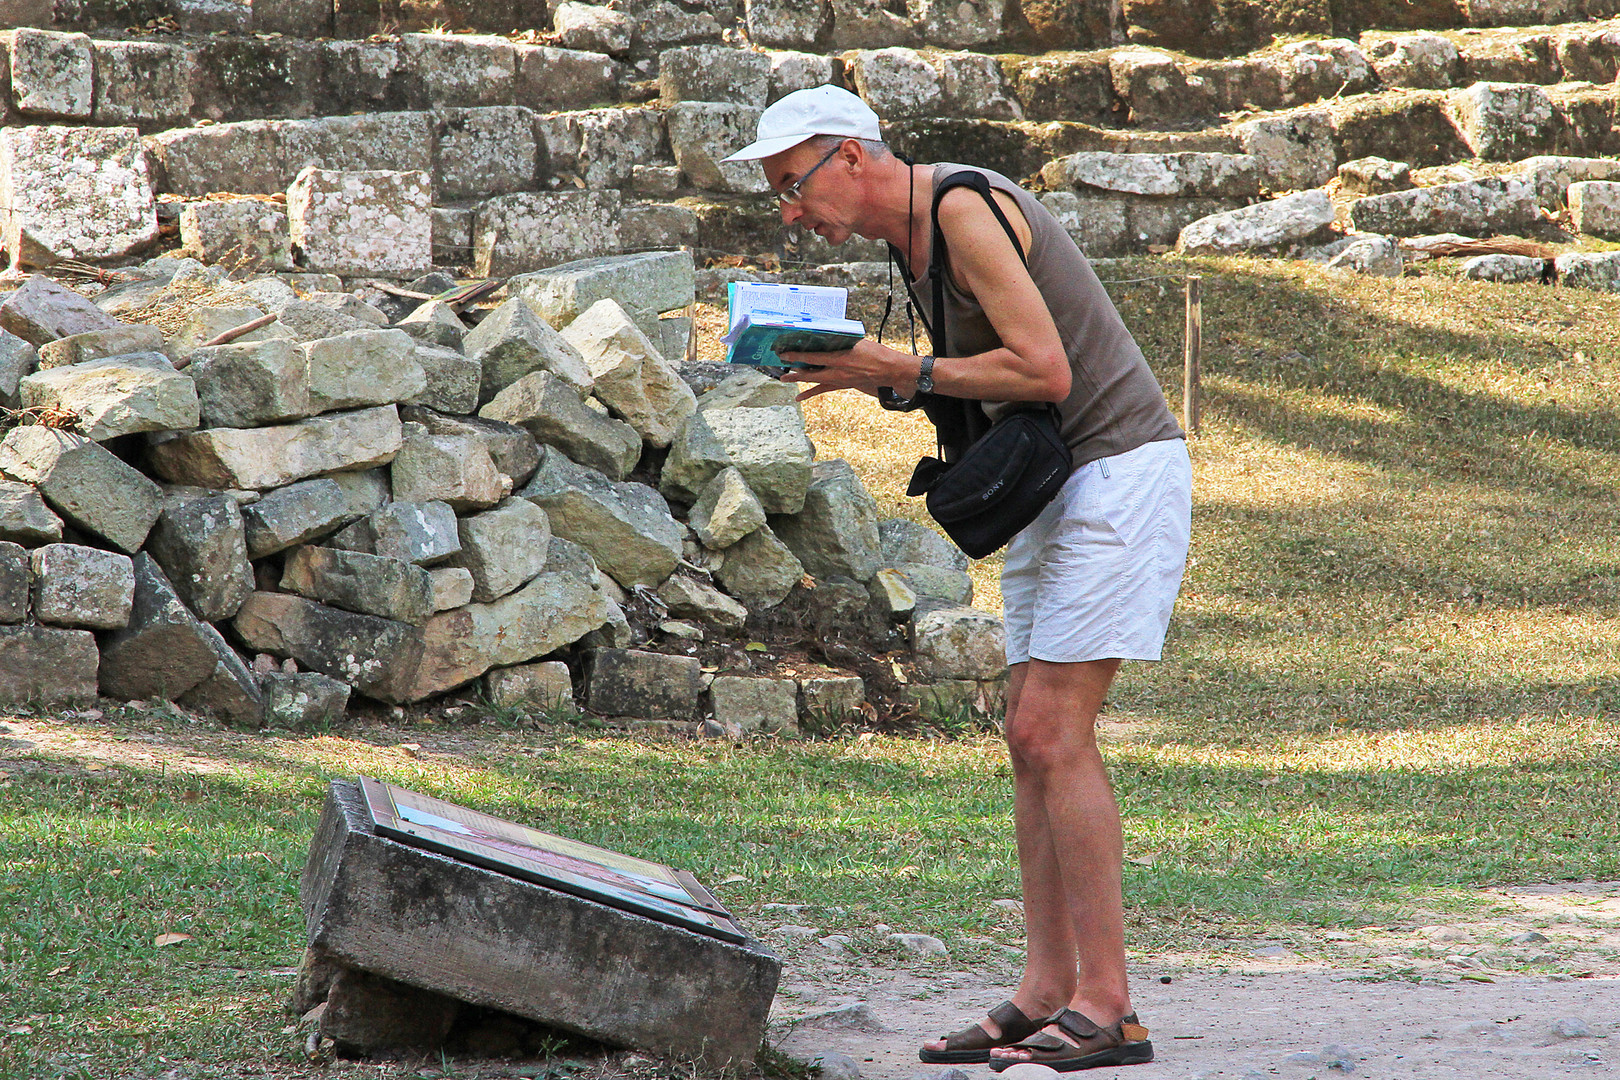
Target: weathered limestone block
369,222
702,134
929,582
453,469
1584,122
82,587
511,448
792,71
51,74
1551,176
1594,208
549,79
627,528
631,377
1521,57
1375,256
767,445
748,389
511,342
303,701
1294,151
294,514
461,70
362,367
120,395
452,587
756,704
592,28
974,87
489,151
530,230
452,379
17,358
1155,88
1317,70
58,208
783,25
1504,121
689,598
399,142
759,569
646,282
248,231
836,533
205,323
248,157
144,83
84,483
202,546
436,322
268,457
41,311
899,83
713,73
891,595
645,685
249,384
355,581
24,517
293,18
1098,223
1291,219
503,548
901,540
1177,175
165,651
546,684
601,147
370,654
369,1014
1599,271
1588,54
1473,208
726,510
1374,176
832,699
663,23
1506,269
494,940
551,611
100,344
420,533
1420,61
959,643
555,415
16,582
41,665
965,24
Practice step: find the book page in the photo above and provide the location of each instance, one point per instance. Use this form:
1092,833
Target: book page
758,299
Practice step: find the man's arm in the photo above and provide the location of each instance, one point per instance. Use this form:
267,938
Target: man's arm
1031,364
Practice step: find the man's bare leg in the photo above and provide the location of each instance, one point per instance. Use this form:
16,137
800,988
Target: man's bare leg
1058,770
1055,812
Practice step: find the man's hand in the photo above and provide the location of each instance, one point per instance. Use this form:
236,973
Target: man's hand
865,367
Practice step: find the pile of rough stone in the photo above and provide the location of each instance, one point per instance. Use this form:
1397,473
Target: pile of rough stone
381,497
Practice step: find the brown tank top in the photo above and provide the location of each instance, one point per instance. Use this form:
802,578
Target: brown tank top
1115,403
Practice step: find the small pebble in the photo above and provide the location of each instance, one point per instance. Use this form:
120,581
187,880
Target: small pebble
1165,979
835,1066
1443,933
835,943
798,932
1271,951
1029,1070
921,944
1530,937
1302,1057
1572,1027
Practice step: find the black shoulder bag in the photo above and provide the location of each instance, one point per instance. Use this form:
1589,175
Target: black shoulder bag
990,481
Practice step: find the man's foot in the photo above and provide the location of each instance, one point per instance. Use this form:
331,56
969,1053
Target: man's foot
1006,1024
1073,1041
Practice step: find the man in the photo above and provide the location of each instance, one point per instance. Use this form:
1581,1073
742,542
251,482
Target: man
1089,583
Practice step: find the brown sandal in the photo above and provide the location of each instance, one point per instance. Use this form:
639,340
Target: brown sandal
972,1045
1124,1042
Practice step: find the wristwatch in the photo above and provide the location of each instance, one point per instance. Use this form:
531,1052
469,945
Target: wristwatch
925,380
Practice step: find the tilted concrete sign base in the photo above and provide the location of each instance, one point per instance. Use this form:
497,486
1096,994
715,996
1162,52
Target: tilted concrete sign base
488,939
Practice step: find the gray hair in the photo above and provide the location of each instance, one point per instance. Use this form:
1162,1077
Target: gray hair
874,148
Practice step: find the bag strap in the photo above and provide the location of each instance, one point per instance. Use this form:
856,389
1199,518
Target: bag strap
936,259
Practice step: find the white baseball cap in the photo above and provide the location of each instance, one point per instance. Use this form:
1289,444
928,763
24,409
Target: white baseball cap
804,114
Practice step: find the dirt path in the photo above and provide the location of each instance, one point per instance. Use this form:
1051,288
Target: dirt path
1250,1026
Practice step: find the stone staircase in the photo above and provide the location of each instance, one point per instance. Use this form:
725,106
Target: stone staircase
573,130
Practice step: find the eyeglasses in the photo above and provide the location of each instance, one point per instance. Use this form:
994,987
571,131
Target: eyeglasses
790,194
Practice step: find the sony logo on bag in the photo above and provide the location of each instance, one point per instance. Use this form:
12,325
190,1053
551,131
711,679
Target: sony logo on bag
991,490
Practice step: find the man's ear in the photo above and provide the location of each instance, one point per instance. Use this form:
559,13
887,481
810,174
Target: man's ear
854,155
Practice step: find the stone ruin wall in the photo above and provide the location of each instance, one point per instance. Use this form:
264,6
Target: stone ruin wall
537,496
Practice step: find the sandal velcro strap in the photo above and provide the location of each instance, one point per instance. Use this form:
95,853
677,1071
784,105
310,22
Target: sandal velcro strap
1077,1024
1010,1018
972,1044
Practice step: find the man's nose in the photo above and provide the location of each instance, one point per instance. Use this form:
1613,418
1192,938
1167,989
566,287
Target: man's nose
791,212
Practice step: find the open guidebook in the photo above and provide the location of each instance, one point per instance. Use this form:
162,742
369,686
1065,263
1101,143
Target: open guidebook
768,319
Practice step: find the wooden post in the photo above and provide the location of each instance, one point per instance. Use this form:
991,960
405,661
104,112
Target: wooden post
1194,348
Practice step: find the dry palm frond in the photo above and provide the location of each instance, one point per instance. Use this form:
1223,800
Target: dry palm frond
1491,245
51,416
81,271
170,310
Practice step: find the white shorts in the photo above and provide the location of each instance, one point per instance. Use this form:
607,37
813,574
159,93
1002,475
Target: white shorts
1096,575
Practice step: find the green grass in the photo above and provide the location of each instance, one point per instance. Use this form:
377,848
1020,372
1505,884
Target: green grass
1391,687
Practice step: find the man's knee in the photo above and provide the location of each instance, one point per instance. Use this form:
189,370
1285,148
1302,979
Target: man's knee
1041,740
